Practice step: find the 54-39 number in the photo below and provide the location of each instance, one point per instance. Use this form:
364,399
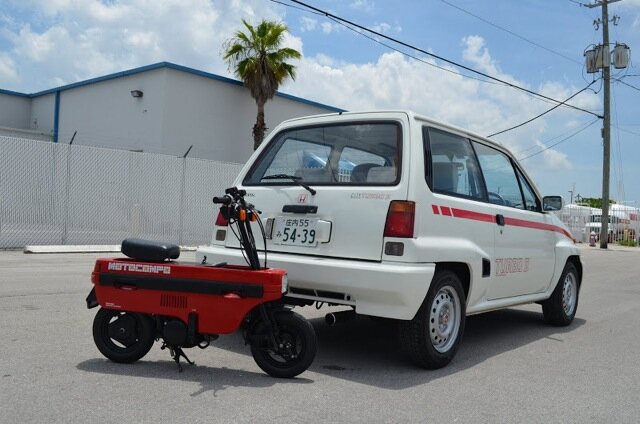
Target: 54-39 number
296,235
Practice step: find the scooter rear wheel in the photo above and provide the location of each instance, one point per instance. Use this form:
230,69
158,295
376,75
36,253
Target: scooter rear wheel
123,336
297,351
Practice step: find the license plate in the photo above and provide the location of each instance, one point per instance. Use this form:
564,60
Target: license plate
295,231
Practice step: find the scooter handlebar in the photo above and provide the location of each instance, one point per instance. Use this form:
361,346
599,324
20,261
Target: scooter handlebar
225,200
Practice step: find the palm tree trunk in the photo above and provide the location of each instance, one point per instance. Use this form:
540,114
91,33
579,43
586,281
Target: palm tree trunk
259,127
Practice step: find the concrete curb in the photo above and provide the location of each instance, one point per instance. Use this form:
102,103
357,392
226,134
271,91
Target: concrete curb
89,248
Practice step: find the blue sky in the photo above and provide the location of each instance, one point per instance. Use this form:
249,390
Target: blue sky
46,43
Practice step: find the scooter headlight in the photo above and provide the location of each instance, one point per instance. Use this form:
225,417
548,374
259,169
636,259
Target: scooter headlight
285,283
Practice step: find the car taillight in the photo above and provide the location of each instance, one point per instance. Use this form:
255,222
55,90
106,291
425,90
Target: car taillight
400,219
221,220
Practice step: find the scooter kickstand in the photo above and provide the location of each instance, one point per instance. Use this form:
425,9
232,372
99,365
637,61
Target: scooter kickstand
176,353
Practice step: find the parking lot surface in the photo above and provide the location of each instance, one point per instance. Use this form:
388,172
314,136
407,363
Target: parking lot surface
510,366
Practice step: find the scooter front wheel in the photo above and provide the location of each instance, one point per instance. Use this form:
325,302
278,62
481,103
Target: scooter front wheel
297,346
123,336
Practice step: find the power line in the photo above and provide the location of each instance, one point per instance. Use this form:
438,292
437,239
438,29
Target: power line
511,32
547,142
627,131
579,3
627,84
296,7
543,113
561,141
410,55
618,162
402,43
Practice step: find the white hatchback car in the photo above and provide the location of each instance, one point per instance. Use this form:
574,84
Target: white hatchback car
402,217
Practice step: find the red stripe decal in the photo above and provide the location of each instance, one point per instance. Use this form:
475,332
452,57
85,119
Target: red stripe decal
476,216
514,222
436,211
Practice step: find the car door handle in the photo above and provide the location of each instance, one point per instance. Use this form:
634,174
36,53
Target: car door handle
500,220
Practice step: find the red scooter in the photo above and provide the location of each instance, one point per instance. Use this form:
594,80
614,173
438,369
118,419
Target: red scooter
151,297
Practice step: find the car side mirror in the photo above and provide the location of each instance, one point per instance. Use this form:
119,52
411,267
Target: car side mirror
552,203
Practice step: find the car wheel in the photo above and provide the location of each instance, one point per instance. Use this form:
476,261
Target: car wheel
560,308
432,337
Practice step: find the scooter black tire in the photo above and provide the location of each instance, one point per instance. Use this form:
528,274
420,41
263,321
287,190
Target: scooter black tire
139,330
296,331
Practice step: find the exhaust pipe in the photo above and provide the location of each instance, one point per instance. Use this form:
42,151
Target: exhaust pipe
333,318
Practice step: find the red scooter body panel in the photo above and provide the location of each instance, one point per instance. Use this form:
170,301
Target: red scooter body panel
220,297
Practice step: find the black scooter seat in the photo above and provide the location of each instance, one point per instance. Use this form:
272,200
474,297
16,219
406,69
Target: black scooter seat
149,251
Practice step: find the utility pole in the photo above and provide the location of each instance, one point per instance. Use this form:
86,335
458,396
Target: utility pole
606,125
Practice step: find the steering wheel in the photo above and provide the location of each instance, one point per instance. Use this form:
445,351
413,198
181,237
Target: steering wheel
495,198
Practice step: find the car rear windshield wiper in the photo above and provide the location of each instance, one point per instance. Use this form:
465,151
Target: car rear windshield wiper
297,180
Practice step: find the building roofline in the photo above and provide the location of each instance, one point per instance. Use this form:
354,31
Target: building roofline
13,93
163,65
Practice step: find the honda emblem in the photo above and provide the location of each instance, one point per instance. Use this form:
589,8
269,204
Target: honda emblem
302,198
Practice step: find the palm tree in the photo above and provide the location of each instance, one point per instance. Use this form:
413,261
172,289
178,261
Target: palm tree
258,60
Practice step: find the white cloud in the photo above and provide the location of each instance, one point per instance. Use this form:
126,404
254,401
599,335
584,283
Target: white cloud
7,69
556,160
382,27
395,81
80,39
365,5
88,38
328,27
308,24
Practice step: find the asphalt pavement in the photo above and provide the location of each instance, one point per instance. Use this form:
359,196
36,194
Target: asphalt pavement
510,367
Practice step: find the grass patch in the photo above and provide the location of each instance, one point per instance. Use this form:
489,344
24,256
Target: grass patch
630,243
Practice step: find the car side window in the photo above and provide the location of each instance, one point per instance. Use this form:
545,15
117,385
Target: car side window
531,202
499,176
453,168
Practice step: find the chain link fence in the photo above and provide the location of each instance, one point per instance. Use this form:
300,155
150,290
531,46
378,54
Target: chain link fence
64,194
623,226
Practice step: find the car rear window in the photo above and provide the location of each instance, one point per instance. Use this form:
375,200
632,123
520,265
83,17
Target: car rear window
338,154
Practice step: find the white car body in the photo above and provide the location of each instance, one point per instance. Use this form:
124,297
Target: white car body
354,264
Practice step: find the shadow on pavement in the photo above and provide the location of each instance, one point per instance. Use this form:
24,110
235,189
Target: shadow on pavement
211,379
362,350
367,351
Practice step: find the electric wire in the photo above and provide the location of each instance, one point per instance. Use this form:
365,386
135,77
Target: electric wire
618,162
627,84
511,32
627,131
451,71
578,3
459,65
561,141
547,142
388,46
543,113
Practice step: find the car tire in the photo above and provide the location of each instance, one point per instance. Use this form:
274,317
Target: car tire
432,337
561,307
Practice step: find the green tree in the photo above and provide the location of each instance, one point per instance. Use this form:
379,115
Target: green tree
594,202
258,60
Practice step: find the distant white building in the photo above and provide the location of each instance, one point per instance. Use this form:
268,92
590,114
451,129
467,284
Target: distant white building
160,108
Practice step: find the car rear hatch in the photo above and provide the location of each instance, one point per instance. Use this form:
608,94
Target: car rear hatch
352,170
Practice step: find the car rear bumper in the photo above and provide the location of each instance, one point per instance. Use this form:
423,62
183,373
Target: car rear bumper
384,289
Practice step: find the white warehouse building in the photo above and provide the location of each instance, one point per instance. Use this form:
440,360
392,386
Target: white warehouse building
160,108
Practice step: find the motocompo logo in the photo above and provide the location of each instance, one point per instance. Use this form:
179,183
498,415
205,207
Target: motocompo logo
143,268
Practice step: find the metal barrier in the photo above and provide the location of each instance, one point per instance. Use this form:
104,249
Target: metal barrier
70,194
624,222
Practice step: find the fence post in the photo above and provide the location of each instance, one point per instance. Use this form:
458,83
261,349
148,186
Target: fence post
66,197
182,188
